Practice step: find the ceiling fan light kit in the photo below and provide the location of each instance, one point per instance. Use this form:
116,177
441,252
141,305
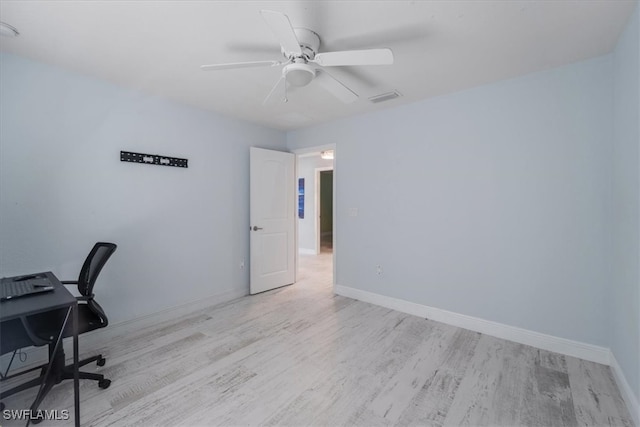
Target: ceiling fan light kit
298,74
303,61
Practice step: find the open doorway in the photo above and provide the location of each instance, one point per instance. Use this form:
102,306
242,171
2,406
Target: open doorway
325,209
315,224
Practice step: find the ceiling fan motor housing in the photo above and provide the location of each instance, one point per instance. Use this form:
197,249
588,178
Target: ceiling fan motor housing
309,42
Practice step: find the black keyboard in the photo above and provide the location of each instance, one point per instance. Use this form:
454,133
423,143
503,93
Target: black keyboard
16,289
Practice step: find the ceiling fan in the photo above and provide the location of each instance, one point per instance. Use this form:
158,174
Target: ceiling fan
303,63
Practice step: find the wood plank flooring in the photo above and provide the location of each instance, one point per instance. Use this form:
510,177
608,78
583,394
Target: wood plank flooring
301,356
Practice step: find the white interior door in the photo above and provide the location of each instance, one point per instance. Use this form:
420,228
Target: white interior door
272,217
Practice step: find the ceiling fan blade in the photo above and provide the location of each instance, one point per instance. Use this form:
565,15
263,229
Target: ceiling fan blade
282,29
231,65
336,88
278,93
355,57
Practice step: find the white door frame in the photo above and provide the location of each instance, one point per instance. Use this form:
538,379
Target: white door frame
317,204
301,152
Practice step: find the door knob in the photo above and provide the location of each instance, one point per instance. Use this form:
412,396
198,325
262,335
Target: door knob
256,228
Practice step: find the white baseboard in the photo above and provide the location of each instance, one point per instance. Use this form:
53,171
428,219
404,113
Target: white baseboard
625,389
180,310
38,355
564,346
304,251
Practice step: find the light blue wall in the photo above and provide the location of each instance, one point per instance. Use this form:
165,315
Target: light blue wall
491,202
181,233
625,284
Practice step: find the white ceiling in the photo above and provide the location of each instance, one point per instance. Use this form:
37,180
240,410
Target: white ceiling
439,46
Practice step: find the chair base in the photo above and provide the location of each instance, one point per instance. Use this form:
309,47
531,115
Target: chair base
59,372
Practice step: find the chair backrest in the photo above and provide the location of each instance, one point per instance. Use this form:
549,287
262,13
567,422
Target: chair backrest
92,266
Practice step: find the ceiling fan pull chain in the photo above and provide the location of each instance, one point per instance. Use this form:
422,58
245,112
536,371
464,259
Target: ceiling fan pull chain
285,90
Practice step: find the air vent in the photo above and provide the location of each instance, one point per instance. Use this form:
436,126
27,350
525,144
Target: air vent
385,97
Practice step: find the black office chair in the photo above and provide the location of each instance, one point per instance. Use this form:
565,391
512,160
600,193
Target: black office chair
90,317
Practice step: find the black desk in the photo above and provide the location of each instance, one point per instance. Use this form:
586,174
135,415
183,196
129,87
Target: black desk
59,298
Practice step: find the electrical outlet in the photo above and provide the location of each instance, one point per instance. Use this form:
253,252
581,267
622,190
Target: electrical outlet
379,270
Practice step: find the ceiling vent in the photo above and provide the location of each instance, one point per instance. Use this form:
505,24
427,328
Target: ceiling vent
385,97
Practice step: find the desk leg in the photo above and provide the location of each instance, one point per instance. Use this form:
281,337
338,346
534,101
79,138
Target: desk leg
49,377
76,374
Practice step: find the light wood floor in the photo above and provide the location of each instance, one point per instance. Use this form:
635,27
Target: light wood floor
301,356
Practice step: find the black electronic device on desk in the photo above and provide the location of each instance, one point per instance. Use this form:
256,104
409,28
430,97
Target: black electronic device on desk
22,286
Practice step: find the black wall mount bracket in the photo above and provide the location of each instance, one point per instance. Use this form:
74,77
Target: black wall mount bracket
153,159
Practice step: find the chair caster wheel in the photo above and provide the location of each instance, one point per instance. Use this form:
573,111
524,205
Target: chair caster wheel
105,383
101,361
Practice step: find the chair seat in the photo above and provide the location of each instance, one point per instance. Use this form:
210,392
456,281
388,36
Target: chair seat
13,336
87,321
48,324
